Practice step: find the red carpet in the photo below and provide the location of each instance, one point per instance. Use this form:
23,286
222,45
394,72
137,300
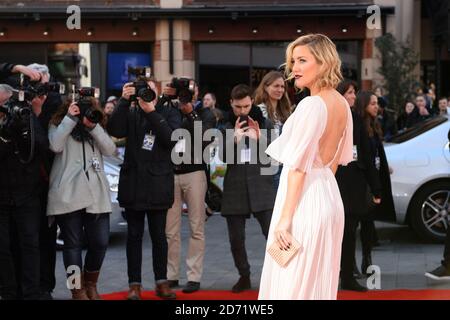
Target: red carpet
342,295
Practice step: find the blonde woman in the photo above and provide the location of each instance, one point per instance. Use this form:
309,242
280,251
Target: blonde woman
308,207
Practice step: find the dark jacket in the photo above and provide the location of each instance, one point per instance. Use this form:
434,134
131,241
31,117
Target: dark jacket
385,210
354,178
415,117
5,71
245,189
19,182
146,178
206,118
388,124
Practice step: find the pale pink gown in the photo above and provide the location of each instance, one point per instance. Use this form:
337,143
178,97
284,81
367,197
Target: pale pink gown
318,222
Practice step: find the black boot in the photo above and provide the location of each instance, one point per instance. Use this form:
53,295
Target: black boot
366,262
242,284
352,285
356,273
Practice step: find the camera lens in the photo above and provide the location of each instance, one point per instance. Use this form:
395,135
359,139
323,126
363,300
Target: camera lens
94,116
146,94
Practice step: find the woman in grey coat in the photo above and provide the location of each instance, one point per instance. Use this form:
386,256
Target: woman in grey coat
79,193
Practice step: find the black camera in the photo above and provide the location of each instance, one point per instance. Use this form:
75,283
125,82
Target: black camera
185,89
18,114
84,102
43,89
34,89
143,90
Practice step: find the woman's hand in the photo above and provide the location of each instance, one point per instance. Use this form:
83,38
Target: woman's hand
74,110
376,200
88,123
282,233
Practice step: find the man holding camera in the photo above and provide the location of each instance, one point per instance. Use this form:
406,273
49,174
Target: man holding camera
146,179
247,187
190,187
22,143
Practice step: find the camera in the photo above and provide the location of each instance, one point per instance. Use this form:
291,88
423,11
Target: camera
143,90
185,89
84,102
34,89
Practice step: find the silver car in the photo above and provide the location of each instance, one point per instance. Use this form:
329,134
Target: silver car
420,159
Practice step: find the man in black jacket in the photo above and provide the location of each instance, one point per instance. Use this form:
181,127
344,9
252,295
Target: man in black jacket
246,189
20,188
190,186
146,182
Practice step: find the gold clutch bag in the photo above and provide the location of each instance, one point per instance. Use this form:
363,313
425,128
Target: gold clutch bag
283,257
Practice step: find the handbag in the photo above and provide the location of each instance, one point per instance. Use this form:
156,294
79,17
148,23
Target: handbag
283,257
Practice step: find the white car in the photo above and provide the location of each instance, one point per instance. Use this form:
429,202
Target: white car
112,171
420,159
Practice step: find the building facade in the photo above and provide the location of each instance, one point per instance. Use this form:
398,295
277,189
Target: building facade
218,42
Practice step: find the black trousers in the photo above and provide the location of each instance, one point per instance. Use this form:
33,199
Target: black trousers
349,247
47,248
446,261
368,235
236,233
157,227
25,219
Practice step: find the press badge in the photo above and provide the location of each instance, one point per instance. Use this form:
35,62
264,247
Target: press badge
246,155
377,163
180,147
355,153
149,142
96,164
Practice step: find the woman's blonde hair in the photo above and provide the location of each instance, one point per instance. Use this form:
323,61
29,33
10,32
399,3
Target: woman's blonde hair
283,107
325,53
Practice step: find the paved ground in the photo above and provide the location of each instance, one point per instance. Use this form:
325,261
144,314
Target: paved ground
403,259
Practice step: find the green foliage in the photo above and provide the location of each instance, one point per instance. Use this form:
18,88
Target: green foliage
398,63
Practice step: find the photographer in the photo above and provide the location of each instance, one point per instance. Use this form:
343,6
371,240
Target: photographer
48,230
79,194
190,186
146,182
22,143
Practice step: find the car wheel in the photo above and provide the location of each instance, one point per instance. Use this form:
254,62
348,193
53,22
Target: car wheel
430,211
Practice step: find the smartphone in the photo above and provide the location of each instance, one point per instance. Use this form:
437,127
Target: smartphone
244,118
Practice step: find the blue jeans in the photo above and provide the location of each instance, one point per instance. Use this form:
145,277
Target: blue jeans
96,230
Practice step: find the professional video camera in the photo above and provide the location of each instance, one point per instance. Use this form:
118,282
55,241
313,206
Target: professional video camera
82,97
185,89
143,90
34,89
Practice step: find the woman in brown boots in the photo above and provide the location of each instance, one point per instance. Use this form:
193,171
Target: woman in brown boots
79,192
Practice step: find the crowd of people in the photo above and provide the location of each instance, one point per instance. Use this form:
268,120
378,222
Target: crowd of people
64,182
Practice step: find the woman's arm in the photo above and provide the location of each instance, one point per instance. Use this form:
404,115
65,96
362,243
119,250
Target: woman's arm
296,180
104,142
57,136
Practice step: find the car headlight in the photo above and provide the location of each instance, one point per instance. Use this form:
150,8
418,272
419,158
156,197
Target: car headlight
113,181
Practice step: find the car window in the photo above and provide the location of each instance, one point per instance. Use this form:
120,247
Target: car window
418,129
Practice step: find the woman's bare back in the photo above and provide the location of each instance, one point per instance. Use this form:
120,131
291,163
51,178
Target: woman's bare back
337,114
